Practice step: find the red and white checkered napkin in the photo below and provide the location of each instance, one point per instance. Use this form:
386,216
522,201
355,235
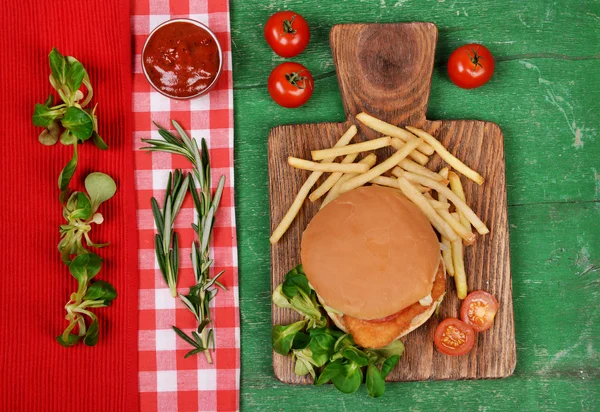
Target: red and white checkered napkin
167,381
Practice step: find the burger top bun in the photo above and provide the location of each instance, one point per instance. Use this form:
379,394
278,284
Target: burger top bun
370,253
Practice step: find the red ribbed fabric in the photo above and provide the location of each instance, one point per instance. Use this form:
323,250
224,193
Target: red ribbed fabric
36,373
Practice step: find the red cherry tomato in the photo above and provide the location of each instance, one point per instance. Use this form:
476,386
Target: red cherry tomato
478,310
287,33
471,66
454,337
290,84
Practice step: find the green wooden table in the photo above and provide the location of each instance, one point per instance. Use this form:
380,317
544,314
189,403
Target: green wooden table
545,95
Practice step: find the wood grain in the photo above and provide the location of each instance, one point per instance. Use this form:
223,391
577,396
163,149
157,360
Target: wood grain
385,70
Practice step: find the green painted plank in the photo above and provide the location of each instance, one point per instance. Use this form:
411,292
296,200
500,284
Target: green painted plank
512,29
550,123
509,394
555,253
545,89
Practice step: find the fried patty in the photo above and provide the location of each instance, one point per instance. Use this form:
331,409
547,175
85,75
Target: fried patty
378,333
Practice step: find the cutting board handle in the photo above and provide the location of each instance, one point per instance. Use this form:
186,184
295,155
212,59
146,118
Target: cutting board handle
395,61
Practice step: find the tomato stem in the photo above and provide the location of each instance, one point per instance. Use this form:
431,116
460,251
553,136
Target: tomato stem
295,79
475,59
287,26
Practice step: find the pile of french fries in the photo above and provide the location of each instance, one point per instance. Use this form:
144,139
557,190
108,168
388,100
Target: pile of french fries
404,170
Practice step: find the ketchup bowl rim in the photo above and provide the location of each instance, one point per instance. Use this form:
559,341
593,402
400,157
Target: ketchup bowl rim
209,31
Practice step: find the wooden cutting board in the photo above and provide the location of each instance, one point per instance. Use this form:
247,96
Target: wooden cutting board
385,70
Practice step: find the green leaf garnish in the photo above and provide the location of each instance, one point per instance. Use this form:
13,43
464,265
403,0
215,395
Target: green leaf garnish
58,65
71,340
44,116
74,75
332,369
375,382
98,142
71,122
321,347
68,120
100,187
102,291
68,171
282,337
389,364
348,379
91,336
85,266
295,281
50,134
78,122
343,362
83,209
301,341
395,347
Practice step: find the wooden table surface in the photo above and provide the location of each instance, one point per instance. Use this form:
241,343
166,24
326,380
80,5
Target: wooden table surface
545,95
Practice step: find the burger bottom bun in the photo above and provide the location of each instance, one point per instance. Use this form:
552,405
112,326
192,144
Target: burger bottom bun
380,332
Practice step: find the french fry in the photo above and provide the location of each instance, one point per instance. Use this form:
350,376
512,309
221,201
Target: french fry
331,180
461,283
334,192
292,212
437,204
444,173
447,156
381,168
447,251
460,277
391,130
385,181
326,167
421,189
421,201
447,256
352,148
411,166
456,187
294,208
417,156
449,194
465,234
397,171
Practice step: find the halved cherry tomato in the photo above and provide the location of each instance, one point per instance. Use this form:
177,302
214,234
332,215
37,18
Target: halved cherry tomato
290,85
287,33
471,66
478,310
454,337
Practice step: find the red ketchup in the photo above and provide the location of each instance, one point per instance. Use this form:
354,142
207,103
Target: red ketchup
181,59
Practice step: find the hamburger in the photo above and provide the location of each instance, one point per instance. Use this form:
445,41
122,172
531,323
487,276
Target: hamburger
374,261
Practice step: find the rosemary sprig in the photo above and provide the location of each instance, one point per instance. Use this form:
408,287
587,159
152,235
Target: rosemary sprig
166,243
206,205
